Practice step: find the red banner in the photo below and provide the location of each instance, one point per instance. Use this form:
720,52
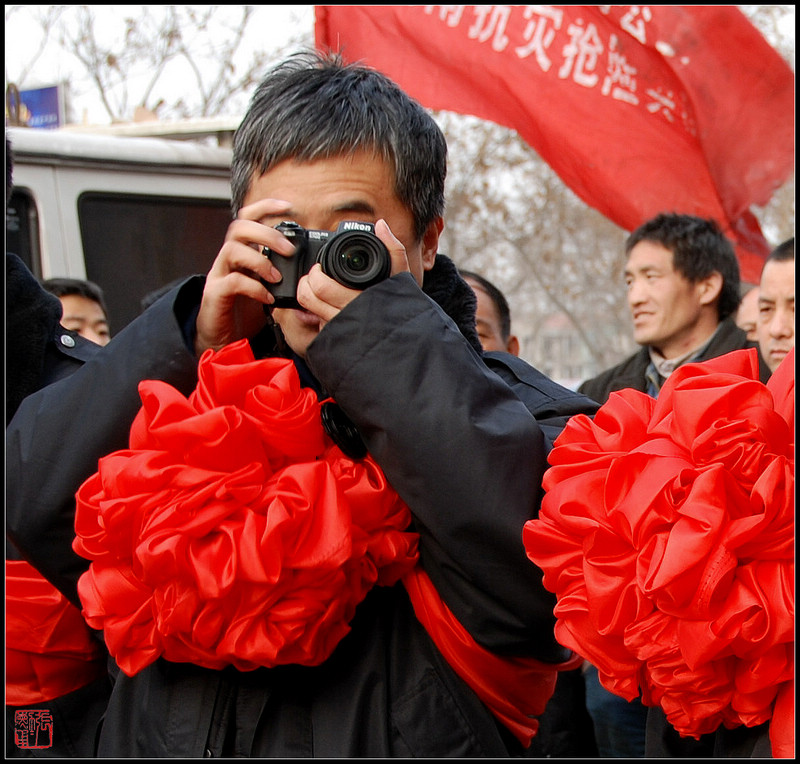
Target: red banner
639,109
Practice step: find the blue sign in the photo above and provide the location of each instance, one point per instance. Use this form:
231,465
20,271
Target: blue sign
42,107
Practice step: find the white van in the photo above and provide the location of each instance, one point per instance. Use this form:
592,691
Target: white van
130,214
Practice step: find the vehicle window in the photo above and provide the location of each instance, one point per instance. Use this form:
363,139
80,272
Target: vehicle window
22,229
136,244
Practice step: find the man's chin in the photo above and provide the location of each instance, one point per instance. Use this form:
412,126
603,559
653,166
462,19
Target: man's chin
643,338
299,329
775,357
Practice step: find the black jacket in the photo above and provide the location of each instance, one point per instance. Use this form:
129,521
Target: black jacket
631,372
38,349
459,442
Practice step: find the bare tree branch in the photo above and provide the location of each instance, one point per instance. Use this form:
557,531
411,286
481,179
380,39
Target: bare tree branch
47,19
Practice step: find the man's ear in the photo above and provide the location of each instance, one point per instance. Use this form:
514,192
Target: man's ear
430,242
710,288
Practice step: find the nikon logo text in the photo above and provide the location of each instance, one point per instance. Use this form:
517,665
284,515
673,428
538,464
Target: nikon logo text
353,226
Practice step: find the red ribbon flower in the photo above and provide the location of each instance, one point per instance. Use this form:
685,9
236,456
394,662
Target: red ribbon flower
233,531
667,535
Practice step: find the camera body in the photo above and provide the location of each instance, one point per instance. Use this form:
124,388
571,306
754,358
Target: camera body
352,254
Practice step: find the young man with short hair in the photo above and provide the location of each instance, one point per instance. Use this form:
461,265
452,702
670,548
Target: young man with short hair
682,282
83,307
492,315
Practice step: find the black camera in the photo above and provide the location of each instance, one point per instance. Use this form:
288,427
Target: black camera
352,254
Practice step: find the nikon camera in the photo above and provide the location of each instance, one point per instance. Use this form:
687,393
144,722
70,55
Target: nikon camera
352,254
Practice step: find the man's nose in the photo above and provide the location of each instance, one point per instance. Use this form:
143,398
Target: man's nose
782,324
636,294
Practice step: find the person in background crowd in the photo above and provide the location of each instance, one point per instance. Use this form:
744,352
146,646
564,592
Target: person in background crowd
84,307
775,327
450,661
682,280
492,315
747,314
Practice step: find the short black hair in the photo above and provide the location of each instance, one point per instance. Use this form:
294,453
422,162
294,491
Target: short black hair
783,252
62,286
497,297
315,106
699,248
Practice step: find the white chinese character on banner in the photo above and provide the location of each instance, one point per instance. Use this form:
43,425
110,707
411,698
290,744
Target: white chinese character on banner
672,108
580,55
633,22
491,21
661,103
620,80
449,13
538,34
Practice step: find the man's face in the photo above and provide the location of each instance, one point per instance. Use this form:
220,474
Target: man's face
324,193
86,317
747,315
776,311
665,306
487,322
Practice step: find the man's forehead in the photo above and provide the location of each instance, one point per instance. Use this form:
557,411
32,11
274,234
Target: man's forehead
648,255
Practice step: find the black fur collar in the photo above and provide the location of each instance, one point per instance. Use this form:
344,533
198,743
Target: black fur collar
444,285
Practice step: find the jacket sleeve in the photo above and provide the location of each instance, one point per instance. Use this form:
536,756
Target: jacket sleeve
459,447
57,435
550,403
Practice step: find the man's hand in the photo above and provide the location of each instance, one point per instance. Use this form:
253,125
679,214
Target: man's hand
234,296
325,296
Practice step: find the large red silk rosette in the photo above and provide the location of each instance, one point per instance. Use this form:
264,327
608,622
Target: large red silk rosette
233,531
667,535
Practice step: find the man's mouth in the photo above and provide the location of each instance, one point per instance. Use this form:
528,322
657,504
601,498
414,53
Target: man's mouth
310,320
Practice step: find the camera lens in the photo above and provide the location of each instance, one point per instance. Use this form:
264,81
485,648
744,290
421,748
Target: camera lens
356,259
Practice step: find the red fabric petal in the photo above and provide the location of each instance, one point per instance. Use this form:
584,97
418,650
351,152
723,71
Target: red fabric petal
667,534
49,648
781,385
781,731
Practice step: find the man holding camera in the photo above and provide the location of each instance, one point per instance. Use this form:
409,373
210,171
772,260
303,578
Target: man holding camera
452,662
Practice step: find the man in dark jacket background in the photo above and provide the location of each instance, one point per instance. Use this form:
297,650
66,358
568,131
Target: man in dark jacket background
682,280
464,444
